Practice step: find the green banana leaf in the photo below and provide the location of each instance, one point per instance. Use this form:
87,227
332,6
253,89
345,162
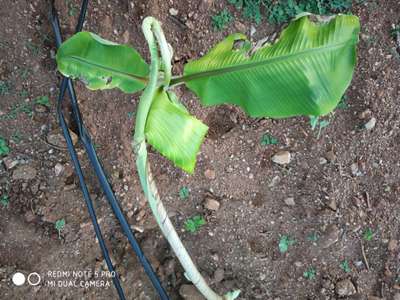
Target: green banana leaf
102,64
305,72
173,131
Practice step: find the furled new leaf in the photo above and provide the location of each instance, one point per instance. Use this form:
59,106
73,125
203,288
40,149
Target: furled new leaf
173,131
102,64
305,72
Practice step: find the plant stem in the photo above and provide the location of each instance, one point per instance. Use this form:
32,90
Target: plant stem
151,29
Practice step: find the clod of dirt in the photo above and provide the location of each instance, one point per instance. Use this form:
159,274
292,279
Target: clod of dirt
290,201
189,292
330,156
57,139
345,288
282,157
370,124
24,172
211,204
209,174
219,275
330,237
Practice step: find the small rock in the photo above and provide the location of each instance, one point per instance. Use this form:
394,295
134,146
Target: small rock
392,246
290,201
211,204
322,161
370,124
365,114
345,288
173,11
240,27
252,30
10,163
281,158
354,169
58,169
219,275
24,172
330,237
189,292
125,37
209,174
332,204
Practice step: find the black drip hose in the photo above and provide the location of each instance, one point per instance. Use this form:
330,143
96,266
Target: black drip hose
90,150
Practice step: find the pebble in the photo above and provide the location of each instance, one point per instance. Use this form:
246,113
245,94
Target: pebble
322,161
211,204
281,157
173,11
219,275
330,237
209,174
290,201
345,288
24,172
189,292
332,204
354,169
370,124
392,245
10,163
58,169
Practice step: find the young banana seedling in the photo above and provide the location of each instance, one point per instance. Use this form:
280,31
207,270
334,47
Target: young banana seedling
305,72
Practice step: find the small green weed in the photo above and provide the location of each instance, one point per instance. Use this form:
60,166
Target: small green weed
4,149
316,122
395,31
310,273
72,10
193,224
344,265
284,243
17,109
59,226
33,48
4,88
268,139
368,234
343,103
221,20
183,193
313,237
16,137
278,12
23,94
4,200
42,100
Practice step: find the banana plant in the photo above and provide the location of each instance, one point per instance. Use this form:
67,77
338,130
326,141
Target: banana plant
305,72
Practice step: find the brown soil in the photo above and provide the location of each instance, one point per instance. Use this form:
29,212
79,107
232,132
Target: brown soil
354,169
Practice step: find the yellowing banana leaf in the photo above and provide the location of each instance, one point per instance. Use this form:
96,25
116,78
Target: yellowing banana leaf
305,72
173,131
102,64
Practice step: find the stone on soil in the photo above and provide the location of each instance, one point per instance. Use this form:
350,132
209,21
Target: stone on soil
282,158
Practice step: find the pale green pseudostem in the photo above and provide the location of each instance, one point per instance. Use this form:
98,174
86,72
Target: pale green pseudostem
153,32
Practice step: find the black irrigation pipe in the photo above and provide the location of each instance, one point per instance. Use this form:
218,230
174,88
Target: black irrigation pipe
90,150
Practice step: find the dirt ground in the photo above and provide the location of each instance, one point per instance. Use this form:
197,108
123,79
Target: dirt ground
336,186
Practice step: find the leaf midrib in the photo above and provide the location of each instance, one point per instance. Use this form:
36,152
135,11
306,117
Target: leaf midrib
141,79
254,64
